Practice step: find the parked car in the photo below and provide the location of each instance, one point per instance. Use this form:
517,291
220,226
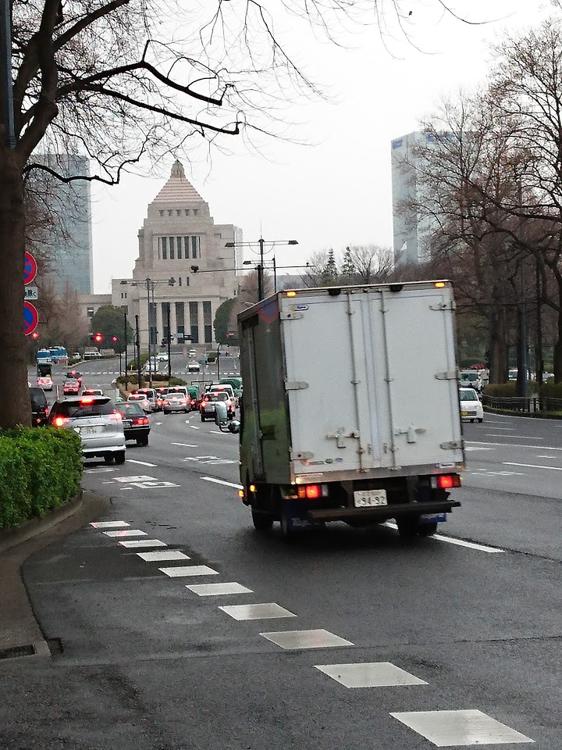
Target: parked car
98,423
471,408
71,387
230,402
45,382
193,366
142,400
207,408
176,402
39,407
136,424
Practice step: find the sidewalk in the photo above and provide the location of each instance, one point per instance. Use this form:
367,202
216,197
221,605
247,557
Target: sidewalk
20,633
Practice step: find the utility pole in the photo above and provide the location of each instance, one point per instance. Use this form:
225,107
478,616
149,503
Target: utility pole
137,340
274,274
126,347
6,85
169,342
260,271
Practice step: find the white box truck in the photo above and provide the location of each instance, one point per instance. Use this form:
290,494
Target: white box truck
350,409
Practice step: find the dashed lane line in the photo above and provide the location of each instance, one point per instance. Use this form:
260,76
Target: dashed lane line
142,463
515,437
533,466
453,540
221,481
185,445
515,445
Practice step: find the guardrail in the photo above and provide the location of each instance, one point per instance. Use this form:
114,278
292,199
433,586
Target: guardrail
532,406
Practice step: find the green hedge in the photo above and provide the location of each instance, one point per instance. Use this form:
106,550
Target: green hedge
40,469
552,390
501,389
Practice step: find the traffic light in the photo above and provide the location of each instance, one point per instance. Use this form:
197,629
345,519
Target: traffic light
96,338
114,339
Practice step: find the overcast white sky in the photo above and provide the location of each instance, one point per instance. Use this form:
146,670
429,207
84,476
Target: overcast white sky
337,190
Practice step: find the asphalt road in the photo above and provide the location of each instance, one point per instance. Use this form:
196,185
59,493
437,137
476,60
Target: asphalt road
149,663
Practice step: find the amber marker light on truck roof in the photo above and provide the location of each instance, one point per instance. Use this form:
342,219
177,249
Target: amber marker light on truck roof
439,284
291,294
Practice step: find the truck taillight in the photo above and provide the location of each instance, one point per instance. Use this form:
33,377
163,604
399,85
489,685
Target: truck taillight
446,481
309,492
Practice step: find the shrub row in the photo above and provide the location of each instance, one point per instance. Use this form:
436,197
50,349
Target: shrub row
551,390
40,469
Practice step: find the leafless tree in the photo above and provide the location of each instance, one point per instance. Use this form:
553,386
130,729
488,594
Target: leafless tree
371,263
111,80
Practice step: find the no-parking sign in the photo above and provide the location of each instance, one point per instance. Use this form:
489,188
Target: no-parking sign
29,268
30,318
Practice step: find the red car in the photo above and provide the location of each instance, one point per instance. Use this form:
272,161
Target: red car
71,387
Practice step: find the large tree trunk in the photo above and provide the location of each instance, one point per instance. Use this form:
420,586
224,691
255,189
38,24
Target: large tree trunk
498,346
558,344
15,407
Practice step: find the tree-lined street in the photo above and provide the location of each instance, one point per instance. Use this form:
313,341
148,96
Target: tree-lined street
149,663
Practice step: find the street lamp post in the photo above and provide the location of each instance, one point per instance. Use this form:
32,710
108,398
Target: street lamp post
261,242
125,339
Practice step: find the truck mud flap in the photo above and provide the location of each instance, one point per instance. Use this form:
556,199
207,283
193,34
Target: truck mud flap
381,513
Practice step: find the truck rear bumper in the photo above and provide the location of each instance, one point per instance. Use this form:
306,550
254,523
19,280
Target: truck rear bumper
381,512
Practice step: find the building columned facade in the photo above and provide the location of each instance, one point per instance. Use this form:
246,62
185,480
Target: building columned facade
184,270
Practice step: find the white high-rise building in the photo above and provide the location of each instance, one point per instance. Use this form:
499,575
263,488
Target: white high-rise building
411,228
183,265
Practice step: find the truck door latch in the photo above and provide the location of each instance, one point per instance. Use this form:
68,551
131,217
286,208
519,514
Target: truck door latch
340,436
411,432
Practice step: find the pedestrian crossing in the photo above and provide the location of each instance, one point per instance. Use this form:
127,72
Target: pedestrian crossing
462,727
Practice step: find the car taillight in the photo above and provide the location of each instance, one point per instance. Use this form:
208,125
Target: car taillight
447,481
140,420
60,421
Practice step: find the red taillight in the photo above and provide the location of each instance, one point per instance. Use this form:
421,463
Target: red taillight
310,492
140,420
86,401
60,421
447,481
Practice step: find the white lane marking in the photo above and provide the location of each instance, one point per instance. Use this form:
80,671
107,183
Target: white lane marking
109,524
182,571
99,470
533,466
268,611
515,437
209,460
459,728
158,424
496,427
185,445
295,639
135,479
452,540
126,488
193,427
544,456
473,448
515,445
221,481
369,674
218,589
172,554
143,543
142,463
125,532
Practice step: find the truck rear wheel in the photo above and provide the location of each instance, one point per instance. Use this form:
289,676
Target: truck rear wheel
427,529
262,521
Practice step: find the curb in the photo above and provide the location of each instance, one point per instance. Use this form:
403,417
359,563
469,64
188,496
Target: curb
20,632
527,415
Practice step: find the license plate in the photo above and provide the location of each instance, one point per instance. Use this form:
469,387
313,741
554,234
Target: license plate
89,430
369,498
127,423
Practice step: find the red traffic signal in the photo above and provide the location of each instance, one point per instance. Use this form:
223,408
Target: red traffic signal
98,338
115,339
